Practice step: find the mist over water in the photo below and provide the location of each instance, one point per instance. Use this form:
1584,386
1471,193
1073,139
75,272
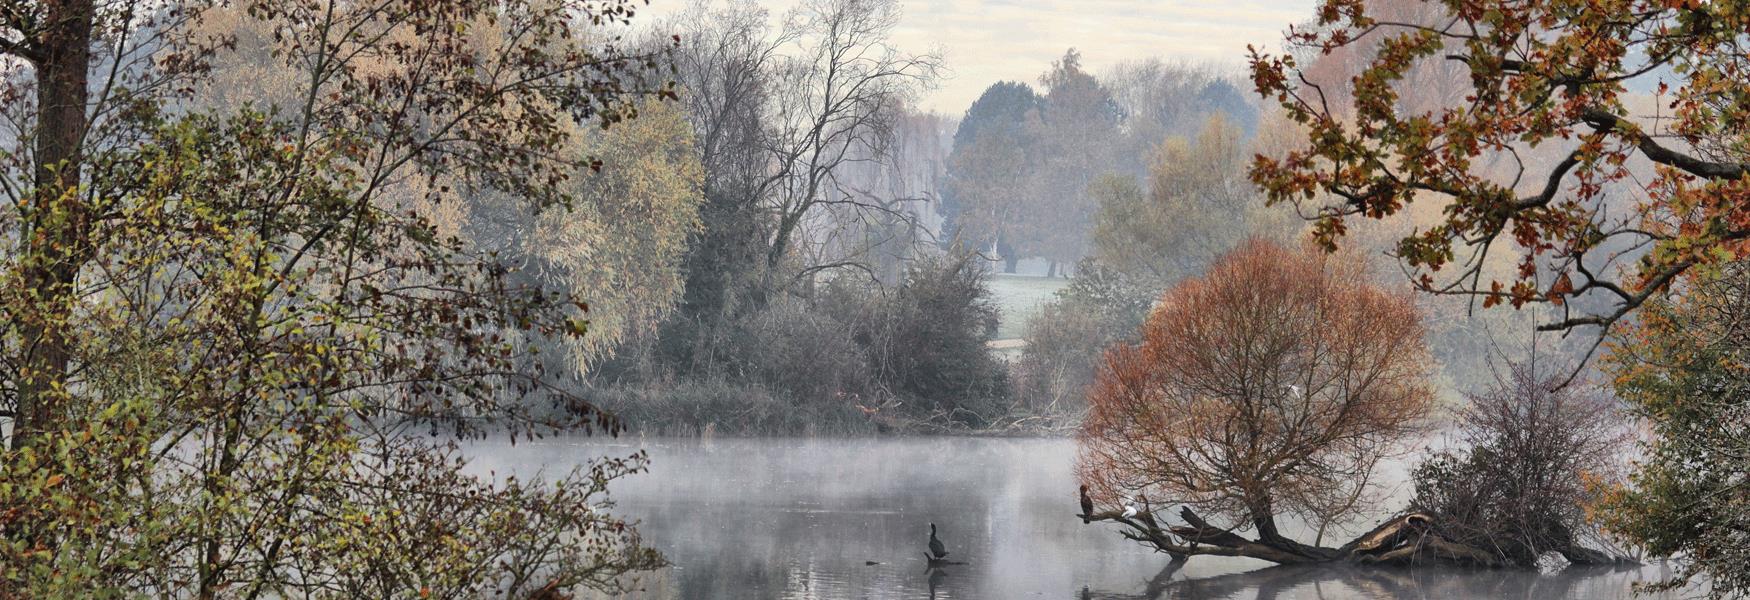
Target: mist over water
801,518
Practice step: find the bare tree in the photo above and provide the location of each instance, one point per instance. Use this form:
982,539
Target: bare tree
824,91
1534,454
780,114
840,93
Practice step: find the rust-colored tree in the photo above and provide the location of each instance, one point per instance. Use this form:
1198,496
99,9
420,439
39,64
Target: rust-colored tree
1272,386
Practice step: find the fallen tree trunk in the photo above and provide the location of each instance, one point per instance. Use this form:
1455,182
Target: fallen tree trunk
1405,540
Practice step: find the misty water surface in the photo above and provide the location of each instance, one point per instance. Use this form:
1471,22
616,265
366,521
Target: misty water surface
801,518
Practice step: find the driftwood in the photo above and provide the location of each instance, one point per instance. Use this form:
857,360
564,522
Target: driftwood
1405,540
934,562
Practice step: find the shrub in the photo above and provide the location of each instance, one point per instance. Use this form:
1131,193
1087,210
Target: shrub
1101,307
1534,454
801,352
932,349
915,352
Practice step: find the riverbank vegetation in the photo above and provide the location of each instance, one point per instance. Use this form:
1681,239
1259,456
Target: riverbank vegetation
1275,384
1682,369
1522,126
238,312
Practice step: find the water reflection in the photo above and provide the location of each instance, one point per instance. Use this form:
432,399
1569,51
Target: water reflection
1332,582
937,575
829,519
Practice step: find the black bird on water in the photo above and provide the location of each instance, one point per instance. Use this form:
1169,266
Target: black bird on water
936,546
1087,504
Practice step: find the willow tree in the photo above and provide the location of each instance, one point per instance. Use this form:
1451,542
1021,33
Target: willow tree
1271,386
623,242
231,325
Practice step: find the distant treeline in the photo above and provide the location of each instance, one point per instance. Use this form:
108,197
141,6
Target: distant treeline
789,247
830,278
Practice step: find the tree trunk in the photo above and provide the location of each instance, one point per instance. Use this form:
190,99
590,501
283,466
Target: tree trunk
57,236
1010,257
1404,540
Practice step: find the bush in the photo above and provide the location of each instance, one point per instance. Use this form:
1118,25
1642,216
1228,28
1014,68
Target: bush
1101,307
930,348
1534,455
799,351
822,364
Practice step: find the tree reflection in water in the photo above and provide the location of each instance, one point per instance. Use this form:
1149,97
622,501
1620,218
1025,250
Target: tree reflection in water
1332,582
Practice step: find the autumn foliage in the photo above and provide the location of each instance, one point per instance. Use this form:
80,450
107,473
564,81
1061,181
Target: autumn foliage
1683,370
1535,141
1272,385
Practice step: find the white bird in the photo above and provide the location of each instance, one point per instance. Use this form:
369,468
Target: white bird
1129,509
1295,389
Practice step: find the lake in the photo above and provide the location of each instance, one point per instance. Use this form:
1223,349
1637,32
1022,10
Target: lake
801,519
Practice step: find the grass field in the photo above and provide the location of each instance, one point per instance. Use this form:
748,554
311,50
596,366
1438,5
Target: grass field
1018,298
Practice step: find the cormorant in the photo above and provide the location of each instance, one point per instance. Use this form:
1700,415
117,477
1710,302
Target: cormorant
1087,504
936,546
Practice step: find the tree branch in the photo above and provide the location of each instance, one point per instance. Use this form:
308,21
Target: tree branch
1606,122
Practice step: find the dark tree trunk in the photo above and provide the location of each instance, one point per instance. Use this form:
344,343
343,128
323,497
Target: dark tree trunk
57,237
1010,257
1405,540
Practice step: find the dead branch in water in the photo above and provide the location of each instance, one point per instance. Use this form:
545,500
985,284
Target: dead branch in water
1405,540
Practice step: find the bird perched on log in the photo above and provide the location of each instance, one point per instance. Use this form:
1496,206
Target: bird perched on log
1130,509
1087,504
938,550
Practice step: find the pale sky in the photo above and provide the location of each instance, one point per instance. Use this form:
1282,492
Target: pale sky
985,41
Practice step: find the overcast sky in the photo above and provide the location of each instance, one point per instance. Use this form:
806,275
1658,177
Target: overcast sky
985,41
